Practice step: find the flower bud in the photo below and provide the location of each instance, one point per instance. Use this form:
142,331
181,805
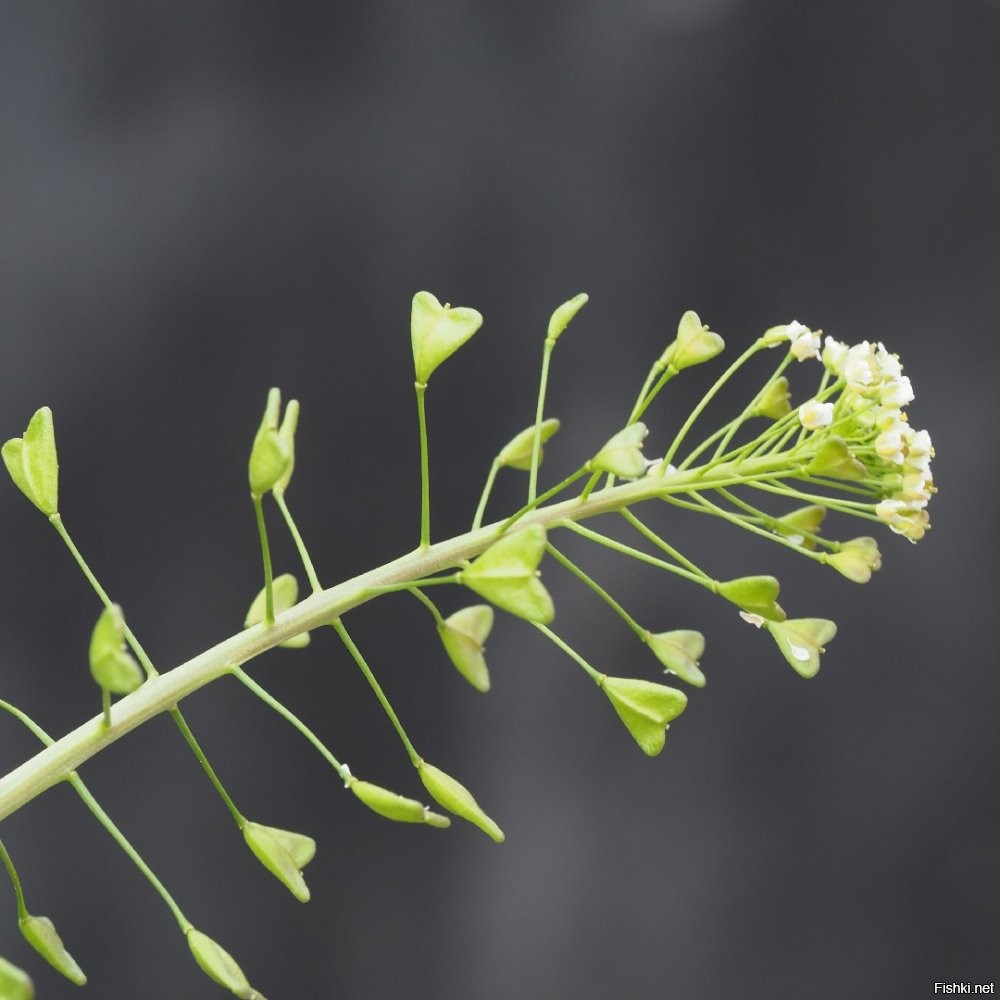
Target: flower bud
285,591
516,453
694,345
41,934
857,559
219,965
15,984
679,651
269,457
754,594
437,331
286,432
564,314
834,459
622,455
774,401
457,799
463,635
646,709
111,665
396,807
799,524
506,574
271,848
801,640
32,463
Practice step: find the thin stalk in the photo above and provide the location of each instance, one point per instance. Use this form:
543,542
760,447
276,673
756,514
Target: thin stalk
265,551
590,582
425,486
661,543
430,581
206,767
106,705
547,495
667,375
8,863
307,564
427,603
536,444
487,490
595,675
338,626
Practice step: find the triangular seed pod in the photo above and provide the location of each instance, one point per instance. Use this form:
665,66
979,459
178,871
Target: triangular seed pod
755,594
622,455
564,314
285,589
645,708
516,453
111,665
219,965
15,984
679,651
437,331
276,858
463,635
801,640
41,934
33,464
457,799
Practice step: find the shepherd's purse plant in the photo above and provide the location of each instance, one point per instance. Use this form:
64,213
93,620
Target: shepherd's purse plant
775,469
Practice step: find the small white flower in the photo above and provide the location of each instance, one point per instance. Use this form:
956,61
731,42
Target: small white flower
805,342
834,355
814,415
859,365
888,364
889,445
896,392
919,446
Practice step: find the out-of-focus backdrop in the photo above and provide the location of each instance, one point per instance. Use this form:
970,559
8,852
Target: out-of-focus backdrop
201,201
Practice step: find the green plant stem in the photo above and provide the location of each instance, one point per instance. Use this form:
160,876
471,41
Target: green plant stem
595,675
661,543
425,486
106,705
8,863
427,603
103,818
147,663
536,444
643,404
300,545
590,582
487,490
290,717
161,693
265,551
430,581
338,626
547,495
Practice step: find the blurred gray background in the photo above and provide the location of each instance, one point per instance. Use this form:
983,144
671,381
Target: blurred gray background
201,201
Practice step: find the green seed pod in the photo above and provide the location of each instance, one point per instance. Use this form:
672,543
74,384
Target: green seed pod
857,559
506,574
396,807
564,315
463,635
516,453
775,402
754,594
437,331
622,455
111,665
14,983
694,345
798,524
801,640
679,651
646,709
269,456
285,589
286,432
457,799
41,934
271,848
32,462
219,965
834,459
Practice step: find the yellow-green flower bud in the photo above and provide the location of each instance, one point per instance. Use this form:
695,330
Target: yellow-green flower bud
41,934
799,524
396,807
694,345
463,635
516,453
801,640
15,984
564,314
857,559
111,665
219,965
775,401
834,459
506,574
437,331
646,708
679,651
622,455
274,849
286,432
756,595
457,799
285,589
32,462
269,457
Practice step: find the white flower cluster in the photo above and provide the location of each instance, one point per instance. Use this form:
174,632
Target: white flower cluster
875,391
